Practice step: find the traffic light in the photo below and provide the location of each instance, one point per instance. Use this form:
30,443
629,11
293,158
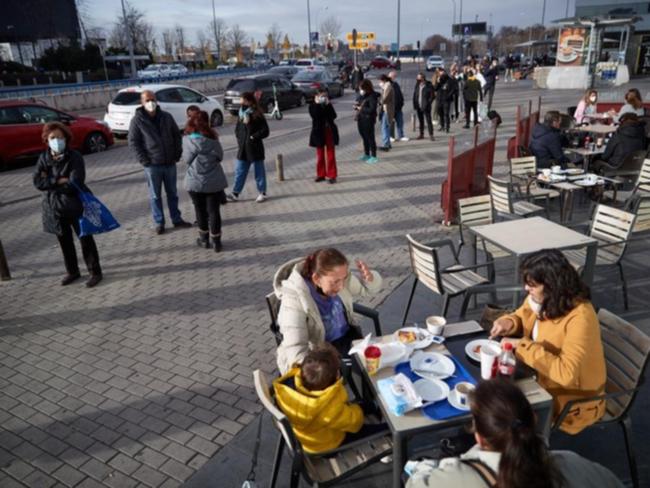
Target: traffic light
418,45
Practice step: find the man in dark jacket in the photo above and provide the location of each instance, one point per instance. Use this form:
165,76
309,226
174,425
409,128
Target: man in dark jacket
471,94
398,126
628,138
446,90
422,101
156,141
546,142
491,75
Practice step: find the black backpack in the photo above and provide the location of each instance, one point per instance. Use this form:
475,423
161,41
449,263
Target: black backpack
494,116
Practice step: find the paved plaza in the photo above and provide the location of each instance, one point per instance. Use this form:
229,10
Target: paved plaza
145,378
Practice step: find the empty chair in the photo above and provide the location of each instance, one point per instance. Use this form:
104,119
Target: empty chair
640,207
446,282
324,469
611,227
626,351
522,172
502,196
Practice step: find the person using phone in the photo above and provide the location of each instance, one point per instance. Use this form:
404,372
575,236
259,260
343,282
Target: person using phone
324,136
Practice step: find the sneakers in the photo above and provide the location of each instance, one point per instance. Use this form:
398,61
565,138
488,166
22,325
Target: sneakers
392,139
318,179
385,148
232,197
404,139
331,181
363,158
261,198
372,160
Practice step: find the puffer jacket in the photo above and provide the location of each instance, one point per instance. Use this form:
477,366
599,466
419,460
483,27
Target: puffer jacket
60,202
203,157
249,138
319,419
546,146
299,319
155,140
628,138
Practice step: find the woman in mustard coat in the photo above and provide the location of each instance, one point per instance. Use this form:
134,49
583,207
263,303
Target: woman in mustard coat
559,337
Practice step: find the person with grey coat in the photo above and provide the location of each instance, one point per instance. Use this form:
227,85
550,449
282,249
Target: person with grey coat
156,141
205,180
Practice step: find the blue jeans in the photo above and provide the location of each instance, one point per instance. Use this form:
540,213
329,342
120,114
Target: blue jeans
385,130
241,172
157,176
399,124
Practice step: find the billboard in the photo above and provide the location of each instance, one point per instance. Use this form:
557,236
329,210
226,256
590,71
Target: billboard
469,29
572,46
30,20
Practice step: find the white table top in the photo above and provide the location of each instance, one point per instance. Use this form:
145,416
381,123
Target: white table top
596,128
525,236
585,152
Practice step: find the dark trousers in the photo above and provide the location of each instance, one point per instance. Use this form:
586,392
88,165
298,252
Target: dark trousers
489,92
206,206
367,132
471,107
422,115
456,106
88,249
444,112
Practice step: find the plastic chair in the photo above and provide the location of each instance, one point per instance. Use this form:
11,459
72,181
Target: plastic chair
323,469
502,197
626,356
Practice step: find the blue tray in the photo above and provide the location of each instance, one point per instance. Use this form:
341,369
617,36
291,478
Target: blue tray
440,410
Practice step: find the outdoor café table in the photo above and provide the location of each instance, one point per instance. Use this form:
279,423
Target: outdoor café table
601,129
587,154
415,422
598,117
525,236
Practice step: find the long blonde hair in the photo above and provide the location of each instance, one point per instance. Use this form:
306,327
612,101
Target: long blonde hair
587,96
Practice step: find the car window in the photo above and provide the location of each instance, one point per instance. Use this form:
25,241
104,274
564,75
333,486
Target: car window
170,95
127,98
38,115
306,75
241,85
10,115
263,84
304,63
190,96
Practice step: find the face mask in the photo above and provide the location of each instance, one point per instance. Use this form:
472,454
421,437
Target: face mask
56,145
593,99
362,92
534,306
322,100
150,106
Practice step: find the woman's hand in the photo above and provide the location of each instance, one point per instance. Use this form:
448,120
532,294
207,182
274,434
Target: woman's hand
366,274
62,181
501,327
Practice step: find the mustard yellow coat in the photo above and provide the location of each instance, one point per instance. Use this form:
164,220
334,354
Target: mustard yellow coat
319,419
569,359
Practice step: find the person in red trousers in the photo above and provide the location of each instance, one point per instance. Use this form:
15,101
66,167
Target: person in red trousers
324,136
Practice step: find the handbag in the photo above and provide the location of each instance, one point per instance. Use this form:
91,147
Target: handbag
96,218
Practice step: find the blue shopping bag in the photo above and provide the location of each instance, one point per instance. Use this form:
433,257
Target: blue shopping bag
96,218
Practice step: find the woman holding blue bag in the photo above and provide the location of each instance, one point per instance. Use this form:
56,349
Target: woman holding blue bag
60,173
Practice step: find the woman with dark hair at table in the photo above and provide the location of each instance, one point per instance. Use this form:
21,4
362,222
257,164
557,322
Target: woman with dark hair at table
509,453
628,138
558,334
633,104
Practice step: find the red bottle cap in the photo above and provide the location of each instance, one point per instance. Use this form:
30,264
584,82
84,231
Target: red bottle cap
508,346
372,352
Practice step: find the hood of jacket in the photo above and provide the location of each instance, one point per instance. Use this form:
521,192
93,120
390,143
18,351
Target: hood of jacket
632,130
289,275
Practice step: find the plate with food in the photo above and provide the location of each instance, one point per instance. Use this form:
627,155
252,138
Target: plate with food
432,365
589,182
473,348
574,171
414,337
431,390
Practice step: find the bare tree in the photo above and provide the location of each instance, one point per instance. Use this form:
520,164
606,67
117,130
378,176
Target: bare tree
180,41
236,40
168,41
274,37
330,26
132,24
202,40
219,31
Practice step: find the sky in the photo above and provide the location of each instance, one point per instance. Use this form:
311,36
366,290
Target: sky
419,18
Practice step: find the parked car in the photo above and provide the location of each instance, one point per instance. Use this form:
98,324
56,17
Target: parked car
382,62
153,71
287,72
172,98
225,67
177,70
311,81
289,95
434,62
308,63
288,62
21,125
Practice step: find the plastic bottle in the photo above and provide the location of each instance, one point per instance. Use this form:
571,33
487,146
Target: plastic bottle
587,142
507,362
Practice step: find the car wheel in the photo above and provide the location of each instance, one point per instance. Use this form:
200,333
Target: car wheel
95,142
270,105
217,119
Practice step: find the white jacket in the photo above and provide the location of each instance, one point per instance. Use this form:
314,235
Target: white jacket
578,472
299,319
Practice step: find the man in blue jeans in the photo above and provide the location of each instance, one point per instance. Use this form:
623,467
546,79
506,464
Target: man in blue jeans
397,130
156,141
387,110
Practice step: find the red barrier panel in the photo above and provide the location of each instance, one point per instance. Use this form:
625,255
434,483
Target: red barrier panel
512,150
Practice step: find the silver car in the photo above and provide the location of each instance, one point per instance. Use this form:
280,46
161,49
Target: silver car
434,62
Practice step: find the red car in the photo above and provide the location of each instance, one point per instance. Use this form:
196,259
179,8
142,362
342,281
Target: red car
21,123
381,62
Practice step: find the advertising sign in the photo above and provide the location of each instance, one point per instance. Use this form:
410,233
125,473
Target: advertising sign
469,29
572,46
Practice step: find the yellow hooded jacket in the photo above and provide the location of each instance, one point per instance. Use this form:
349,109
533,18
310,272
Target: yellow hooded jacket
319,419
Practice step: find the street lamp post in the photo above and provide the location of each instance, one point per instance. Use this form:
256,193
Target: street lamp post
399,10
129,37
309,28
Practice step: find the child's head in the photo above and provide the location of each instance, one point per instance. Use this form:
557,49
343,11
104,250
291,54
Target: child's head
320,368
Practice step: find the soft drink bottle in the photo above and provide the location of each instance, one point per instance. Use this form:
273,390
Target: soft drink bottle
507,362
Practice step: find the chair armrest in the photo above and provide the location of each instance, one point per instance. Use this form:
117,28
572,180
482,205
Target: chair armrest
483,289
467,268
371,313
614,243
351,445
569,405
577,225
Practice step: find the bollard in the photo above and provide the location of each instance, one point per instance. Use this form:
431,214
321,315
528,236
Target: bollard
5,275
279,167
413,122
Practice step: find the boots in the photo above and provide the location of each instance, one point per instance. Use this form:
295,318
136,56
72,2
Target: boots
216,242
203,240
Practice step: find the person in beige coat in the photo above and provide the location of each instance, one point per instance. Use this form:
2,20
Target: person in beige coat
508,451
387,102
316,295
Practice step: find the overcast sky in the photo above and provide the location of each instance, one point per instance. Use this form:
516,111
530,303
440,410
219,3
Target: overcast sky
419,17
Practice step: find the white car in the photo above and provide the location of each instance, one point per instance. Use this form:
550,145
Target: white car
310,64
434,62
153,71
177,70
172,98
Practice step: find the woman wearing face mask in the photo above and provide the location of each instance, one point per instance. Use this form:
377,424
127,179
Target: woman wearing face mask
59,172
316,296
366,116
586,106
251,129
558,336
324,136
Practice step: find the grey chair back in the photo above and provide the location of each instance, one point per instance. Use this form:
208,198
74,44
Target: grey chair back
475,210
501,196
613,227
425,265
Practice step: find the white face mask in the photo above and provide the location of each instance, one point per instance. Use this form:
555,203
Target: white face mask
362,92
150,106
593,99
57,145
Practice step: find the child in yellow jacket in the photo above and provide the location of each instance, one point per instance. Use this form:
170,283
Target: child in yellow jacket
313,398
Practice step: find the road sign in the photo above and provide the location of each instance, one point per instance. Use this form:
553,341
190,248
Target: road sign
469,29
361,36
359,45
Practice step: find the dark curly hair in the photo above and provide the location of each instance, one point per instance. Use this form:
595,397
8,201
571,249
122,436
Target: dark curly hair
563,287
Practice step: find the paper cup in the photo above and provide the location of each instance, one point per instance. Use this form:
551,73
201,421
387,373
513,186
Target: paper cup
489,355
462,390
436,324
556,169
373,357
546,172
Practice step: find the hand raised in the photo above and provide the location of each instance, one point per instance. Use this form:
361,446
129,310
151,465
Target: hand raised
363,268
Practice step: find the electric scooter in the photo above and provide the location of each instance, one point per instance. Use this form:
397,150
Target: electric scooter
276,114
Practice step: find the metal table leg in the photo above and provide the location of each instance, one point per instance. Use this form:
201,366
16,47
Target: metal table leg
590,263
399,458
517,295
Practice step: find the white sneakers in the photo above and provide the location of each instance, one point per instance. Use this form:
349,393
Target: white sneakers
404,139
392,139
234,197
261,198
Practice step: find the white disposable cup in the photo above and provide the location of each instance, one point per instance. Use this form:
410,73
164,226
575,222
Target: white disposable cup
546,172
436,324
556,169
489,355
462,390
